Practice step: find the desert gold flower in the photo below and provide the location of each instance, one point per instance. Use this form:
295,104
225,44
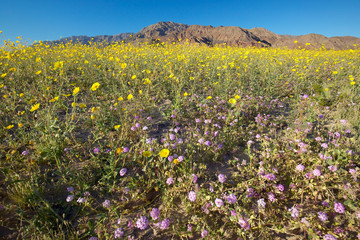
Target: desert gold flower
35,107
352,83
76,90
120,98
73,104
164,153
209,97
130,96
185,94
119,150
116,126
95,86
3,75
38,72
147,154
82,105
237,97
123,65
232,100
10,127
176,161
133,77
20,125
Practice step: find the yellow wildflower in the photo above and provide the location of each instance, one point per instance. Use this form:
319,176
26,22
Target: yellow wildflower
38,72
35,107
76,90
129,97
95,86
10,127
147,154
164,153
117,126
232,100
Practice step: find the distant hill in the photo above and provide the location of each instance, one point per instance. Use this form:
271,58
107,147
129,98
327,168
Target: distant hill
232,36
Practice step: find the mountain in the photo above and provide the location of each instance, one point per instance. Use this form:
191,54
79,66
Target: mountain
232,36
100,38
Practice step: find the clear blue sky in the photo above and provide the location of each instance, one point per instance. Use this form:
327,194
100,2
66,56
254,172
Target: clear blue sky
50,20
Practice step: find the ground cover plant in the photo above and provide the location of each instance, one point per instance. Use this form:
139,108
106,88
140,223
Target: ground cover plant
178,141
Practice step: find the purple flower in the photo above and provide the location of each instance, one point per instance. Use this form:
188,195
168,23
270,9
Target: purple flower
69,198
118,233
197,120
261,203
300,167
317,172
154,213
332,168
189,227
231,199
137,125
208,143
343,121
201,141
222,178
170,181
244,224
133,128
219,202
170,158
195,178
142,223
123,172
93,238
81,200
164,224
325,204
329,237
24,153
172,137
303,220
70,189
324,145
271,197
192,196
126,149
270,177
204,233
318,139
180,158
233,213
322,216
338,207
106,203
280,187
294,212
96,150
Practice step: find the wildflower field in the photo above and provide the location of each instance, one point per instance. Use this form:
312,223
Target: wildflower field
178,141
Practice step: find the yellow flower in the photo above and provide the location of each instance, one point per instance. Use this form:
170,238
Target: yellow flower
352,83
129,97
76,90
176,161
21,113
209,97
119,150
38,72
35,107
133,76
92,117
10,127
237,97
295,41
123,65
335,72
120,98
232,100
54,99
20,125
73,104
82,105
147,154
21,94
95,86
3,75
94,109
185,94
58,64
117,126
164,153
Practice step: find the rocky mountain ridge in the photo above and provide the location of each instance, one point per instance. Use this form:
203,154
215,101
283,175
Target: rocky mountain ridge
232,36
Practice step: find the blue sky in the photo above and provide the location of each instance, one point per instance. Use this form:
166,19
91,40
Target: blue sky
50,20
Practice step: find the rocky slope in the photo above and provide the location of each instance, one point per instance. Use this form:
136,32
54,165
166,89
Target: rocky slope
232,36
